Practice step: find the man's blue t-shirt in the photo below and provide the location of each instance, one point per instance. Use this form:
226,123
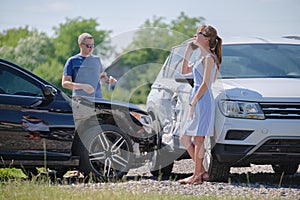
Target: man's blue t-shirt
85,70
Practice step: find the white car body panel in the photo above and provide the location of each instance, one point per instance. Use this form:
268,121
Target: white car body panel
278,97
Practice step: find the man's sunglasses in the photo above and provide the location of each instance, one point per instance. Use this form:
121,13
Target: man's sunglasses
88,45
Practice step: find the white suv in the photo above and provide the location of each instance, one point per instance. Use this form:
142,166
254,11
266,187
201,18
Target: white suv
257,100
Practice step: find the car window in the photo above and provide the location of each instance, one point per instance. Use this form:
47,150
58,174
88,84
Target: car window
13,82
195,56
260,61
176,58
175,61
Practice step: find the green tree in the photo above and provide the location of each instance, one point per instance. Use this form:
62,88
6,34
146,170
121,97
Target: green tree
12,36
51,72
186,25
66,35
34,51
150,47
46,56
30,52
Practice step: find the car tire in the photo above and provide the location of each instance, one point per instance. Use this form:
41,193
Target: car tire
162,163
286,169
106,153
218,172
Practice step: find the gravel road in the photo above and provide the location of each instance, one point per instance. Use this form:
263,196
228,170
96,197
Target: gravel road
255,182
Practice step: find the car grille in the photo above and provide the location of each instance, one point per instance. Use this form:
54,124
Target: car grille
280,146
281,110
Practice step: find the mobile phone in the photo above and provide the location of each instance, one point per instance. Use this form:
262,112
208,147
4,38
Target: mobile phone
194,46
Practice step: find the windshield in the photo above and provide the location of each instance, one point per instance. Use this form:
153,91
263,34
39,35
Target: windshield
260,61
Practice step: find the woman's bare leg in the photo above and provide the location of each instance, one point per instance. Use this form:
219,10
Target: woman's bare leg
187,143
198,158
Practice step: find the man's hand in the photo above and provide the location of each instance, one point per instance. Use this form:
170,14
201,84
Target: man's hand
105,79
111,80
87,88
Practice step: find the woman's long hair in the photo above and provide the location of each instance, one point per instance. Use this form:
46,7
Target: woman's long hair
215,43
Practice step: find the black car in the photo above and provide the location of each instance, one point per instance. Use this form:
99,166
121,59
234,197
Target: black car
40,126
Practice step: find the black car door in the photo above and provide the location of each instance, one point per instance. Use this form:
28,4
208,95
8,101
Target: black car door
27,128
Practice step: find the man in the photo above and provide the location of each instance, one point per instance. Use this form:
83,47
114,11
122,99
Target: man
83,71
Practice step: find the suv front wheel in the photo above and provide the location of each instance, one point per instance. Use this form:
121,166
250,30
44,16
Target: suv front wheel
286,169
217,171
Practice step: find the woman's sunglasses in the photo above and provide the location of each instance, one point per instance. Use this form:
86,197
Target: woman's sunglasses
200,33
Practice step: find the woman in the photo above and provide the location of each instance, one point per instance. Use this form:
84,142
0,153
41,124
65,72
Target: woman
200,121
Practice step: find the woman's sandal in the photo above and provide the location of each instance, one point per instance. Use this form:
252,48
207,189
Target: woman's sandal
197,180
205,176
187,180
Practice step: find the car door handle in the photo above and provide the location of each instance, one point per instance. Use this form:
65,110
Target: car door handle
157,87
36,102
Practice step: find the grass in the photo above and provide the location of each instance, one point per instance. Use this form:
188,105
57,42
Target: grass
23,190
11,173
15,185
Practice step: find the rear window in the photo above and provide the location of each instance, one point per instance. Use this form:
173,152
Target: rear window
260,61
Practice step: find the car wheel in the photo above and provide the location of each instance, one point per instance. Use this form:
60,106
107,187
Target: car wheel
286,169
217,171
107,153
161,165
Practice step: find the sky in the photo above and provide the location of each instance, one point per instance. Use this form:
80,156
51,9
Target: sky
230,17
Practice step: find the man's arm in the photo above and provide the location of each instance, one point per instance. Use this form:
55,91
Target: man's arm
67,83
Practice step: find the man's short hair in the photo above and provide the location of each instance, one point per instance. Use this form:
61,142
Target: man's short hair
84,36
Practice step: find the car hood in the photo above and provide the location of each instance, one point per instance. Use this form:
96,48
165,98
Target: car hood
108,104
118,104
258,88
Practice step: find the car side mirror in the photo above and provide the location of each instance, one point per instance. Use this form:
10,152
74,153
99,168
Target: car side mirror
184,78
50,93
